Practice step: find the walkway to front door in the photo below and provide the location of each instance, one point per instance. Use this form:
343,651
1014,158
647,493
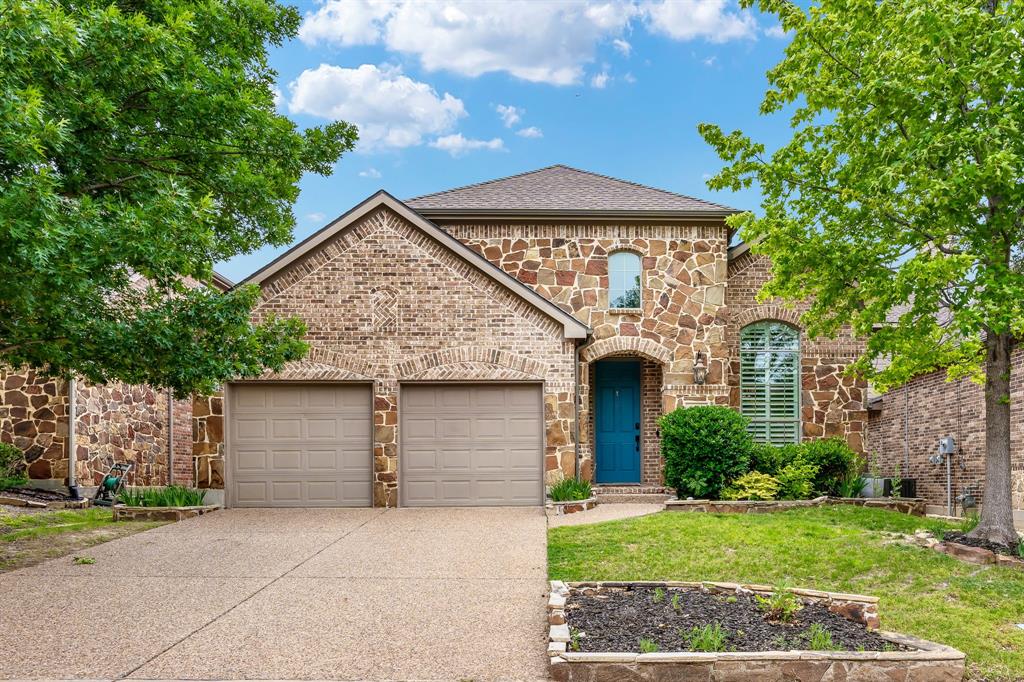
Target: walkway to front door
617,421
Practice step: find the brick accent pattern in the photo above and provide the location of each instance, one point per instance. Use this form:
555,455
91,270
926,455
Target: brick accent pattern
906,431
831,403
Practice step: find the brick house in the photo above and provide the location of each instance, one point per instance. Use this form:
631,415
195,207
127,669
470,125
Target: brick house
469,346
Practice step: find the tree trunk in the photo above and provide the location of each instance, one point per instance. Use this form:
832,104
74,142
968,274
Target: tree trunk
997,509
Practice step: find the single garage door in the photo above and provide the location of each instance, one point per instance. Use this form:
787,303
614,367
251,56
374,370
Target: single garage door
300,445
471,445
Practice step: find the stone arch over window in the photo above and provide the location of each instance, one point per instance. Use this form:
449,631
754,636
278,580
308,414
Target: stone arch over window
770,381
624,270
384,302
626,345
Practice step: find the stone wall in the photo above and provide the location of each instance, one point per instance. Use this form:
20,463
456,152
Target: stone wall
33,417
831,403
208,440
906,429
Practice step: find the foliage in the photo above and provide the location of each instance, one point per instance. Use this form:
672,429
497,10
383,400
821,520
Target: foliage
752,485
968,522
898,190
766,458
796,480
574,639
648,646
851,486
170,496
780,606
711,637
569,489
84,560
819,639
139,144
896,483
704,448
12,467
835,460
659,595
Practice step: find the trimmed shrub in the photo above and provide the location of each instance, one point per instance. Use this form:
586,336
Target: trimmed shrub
766,458
796,480
835,460
752,485
12,467
569,489
704,448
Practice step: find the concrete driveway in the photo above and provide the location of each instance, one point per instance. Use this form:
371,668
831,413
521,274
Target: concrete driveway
408,594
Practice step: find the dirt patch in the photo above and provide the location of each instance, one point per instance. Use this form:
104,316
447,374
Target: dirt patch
617,619
37,495
30,551
964,539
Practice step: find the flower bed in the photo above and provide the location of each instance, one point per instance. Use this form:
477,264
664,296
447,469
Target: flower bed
914,506
724,631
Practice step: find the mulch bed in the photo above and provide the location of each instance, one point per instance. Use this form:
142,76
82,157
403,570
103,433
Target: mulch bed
964,539
616,620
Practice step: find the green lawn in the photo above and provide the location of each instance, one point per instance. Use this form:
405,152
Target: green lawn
27,539
840,548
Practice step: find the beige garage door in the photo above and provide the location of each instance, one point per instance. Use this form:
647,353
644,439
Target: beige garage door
471,445
296,445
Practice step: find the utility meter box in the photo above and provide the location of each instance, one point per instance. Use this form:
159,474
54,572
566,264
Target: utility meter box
947,446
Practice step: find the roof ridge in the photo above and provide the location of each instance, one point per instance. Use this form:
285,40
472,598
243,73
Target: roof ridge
487,182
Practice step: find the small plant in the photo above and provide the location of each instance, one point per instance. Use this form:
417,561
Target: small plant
171,496
676,605
711,637
569,489
819,639
731,600
648,646
84,560
796,479
896,482
968,523
780,606
12,467
752,485
851,486
659,595
574,638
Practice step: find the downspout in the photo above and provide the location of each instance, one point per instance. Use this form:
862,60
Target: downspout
170,436
72,447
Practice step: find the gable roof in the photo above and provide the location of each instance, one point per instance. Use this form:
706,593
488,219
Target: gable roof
561,190
574,329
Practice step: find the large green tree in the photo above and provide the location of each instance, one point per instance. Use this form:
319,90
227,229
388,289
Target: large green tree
900,190
139,144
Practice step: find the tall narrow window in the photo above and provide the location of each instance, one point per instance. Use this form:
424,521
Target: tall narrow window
770,381
623,280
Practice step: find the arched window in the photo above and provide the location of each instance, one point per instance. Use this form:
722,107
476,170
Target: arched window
623,280
770,381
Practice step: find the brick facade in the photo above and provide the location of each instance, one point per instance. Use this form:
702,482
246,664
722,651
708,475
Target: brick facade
905,431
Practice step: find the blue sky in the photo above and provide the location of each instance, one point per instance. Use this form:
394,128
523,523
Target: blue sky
451,93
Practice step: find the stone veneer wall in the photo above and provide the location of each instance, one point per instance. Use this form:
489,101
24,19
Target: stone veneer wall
33,417
683,290
831,403
913,418
384,302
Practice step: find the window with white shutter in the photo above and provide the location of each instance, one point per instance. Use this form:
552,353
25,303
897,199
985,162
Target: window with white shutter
770,381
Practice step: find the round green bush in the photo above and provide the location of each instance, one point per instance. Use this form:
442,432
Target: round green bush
835,461
705,448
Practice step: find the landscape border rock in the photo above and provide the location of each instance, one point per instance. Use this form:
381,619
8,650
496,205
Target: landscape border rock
913,506
125,513
571,506
966,553
925,661
36,504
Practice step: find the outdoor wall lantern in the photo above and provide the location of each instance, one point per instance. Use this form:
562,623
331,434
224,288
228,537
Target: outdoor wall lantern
700,370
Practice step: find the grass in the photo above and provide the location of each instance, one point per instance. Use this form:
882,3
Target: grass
839,548
27,539
170,496
708,638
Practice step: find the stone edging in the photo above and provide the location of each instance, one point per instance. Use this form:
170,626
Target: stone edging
929,660
124,513
36,504
571,506
914,506
966,553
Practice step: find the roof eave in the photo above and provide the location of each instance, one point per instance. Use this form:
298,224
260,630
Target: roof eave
509,214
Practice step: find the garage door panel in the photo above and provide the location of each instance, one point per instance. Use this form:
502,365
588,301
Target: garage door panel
301,445
465,444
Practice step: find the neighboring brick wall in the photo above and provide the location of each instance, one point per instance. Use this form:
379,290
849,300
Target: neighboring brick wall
913,417
832,404
33,417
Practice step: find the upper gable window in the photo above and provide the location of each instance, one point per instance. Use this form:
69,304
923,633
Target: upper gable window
623,280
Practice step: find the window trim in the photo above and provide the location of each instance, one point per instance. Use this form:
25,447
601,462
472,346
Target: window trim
640,281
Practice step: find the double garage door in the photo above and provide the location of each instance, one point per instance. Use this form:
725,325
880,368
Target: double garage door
310,445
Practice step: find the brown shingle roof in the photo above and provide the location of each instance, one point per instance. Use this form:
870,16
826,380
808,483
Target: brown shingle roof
563,190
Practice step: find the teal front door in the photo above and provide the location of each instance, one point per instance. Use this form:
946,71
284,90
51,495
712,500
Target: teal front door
617,421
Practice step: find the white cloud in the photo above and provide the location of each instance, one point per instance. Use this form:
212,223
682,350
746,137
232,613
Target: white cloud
369,173
775,31
708,19
710,61
600,80
629,78
390,109
510,115
278,96
532,132
457,145
315,217
547,41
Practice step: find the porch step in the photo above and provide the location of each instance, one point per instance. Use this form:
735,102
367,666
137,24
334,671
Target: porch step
632,494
